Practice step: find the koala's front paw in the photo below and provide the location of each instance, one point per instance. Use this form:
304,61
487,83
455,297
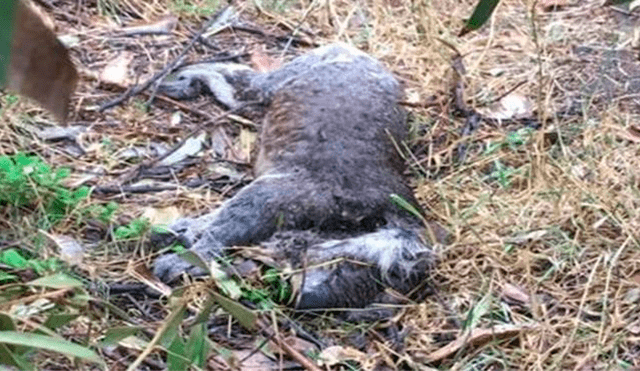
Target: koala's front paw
169,267
184,231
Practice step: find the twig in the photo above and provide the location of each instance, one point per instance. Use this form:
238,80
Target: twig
268,332
255,31
165,71
499,97
295,30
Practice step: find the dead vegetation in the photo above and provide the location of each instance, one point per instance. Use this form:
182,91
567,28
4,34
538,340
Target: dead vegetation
543,268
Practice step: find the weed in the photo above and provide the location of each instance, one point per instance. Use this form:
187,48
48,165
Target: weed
502,174
276,291
11,99
12,258
135,229
26,181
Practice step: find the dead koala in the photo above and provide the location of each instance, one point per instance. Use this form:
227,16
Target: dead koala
325,171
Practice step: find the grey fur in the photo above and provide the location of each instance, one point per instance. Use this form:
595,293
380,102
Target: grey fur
326,168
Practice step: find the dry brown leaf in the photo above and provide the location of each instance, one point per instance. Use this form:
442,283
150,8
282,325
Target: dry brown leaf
527,237
512,106
244,360
40,67
139,271
333,355
71,251
515,294
117,69
162,216
478,337
260,61
247,142
301,346
163,26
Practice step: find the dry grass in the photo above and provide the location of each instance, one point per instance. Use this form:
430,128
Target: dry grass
544,232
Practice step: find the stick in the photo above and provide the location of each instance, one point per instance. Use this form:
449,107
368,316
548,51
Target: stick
165,71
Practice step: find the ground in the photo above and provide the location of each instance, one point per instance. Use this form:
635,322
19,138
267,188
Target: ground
541,269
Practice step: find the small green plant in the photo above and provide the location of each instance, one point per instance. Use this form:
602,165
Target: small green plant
17,260
135,229
513,141
26,181
277,290
11,99
104,213
503,174
19,339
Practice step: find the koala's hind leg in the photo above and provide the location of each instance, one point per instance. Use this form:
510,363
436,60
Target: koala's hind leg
247,218
225,81
392,257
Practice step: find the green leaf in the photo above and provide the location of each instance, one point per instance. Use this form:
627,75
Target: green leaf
49,343
169,330
194,259
480,15
58,320
10,358
401,202
228,286
57,281
197,347
13,258
246,317
7,17
114,335
177,360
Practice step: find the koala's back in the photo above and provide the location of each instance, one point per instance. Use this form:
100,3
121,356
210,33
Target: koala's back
330,124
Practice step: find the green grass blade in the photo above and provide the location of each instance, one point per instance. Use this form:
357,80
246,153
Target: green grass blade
49,343
480,15
57,281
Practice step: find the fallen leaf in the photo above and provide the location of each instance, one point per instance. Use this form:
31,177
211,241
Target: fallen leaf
336,354
189,147
476,338
138,270
512,106
161,216
301,346
117,69
54,133
71,251
514,293
261,62
247,143
526,237
162,27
